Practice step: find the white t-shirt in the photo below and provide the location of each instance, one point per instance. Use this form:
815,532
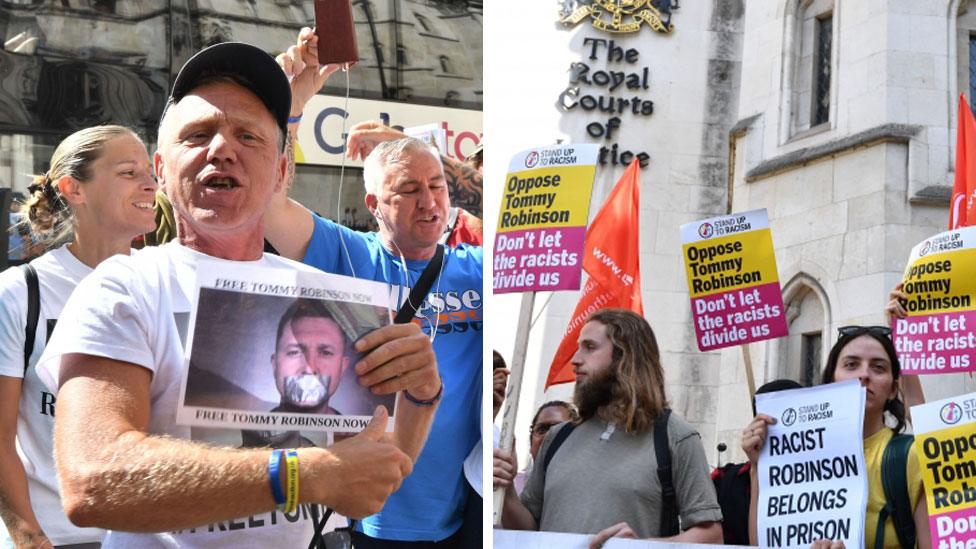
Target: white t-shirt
58,272
136,309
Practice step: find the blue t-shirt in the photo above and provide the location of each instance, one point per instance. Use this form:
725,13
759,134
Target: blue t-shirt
429,504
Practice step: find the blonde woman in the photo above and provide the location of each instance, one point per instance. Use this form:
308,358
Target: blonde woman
96,196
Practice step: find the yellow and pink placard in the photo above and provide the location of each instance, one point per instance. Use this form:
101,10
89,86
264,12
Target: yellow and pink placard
945,441
732,280
939,334
542,223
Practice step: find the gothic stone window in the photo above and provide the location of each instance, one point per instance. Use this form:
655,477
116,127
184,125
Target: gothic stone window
812,44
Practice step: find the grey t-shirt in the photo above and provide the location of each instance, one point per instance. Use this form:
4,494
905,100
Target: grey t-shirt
592,484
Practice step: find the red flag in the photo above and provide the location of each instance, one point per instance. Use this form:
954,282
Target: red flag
611,258
962,209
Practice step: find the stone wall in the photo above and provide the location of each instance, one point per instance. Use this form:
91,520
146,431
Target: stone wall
843,202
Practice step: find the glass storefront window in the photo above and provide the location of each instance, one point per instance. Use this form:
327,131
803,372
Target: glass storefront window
70,64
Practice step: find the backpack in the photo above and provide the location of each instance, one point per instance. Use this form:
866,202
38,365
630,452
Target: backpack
662,450
732,489
897,499
33,311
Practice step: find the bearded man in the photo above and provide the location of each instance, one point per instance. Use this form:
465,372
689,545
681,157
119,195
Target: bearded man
603,478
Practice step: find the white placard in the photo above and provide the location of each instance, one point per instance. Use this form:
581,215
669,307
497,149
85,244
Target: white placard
521,539
294,383
431,134
812,481
944,414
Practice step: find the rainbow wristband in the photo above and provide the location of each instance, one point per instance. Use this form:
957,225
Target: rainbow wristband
274,477
291,489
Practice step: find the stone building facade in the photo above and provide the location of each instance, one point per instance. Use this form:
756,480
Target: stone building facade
836,116
849,195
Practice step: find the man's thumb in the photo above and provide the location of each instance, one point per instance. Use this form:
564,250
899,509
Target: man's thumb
377,426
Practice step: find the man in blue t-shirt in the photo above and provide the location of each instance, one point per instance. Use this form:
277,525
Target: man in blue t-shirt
407,194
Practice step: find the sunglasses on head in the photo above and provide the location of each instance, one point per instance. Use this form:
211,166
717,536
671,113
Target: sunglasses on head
854,331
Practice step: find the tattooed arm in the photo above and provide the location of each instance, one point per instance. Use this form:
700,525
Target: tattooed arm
464,184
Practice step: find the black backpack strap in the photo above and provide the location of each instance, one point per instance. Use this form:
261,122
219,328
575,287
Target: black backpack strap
557,441
422,288
894,480
33,311
662,449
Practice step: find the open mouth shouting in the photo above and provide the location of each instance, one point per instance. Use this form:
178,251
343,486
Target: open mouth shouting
220,182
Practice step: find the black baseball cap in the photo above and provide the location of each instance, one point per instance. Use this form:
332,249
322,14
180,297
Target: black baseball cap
252,65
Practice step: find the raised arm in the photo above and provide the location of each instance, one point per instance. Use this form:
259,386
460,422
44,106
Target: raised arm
288,224
753,439
115,475
911,386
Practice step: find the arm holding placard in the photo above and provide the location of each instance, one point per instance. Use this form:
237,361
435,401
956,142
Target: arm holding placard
515,515
753,439
911,386
710,532
499,378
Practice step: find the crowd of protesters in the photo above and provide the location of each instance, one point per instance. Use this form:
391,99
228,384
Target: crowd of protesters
616,462
607,478
115,469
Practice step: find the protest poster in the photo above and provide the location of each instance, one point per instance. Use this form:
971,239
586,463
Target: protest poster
937,336
812,480
945,441
732,280
433,135
270,352
527,539
542,224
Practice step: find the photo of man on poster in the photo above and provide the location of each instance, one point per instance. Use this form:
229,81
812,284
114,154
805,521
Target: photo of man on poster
298,355
309,359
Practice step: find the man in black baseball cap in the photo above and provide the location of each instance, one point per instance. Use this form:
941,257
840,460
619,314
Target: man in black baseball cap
249,66
125,464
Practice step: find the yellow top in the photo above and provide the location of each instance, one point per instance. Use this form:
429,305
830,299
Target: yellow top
874,447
